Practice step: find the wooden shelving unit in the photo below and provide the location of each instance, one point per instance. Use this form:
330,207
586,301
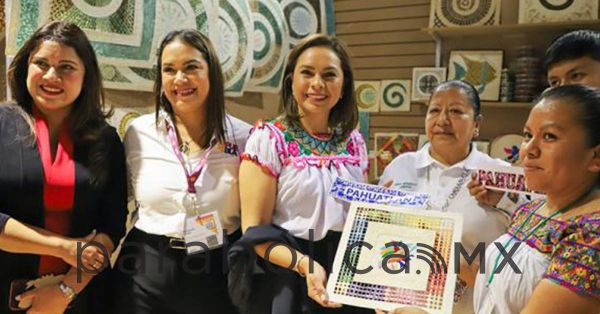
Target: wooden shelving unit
504,35
510,29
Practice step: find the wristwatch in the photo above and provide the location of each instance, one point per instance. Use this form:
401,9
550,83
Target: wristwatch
67,291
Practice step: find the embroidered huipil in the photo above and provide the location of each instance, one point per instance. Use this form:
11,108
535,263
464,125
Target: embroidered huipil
305,167
565,252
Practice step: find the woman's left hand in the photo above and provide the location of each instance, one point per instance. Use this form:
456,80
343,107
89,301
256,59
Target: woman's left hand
316,281
46,300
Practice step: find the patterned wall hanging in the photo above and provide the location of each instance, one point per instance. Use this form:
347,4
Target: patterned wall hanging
390,145
306,17
409,259
367,95
506,147
127,41
445,13
424,80
136,78
538,11
395,95
236,45
482,69
271,46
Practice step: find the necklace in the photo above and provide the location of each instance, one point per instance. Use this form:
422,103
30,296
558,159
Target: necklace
184,147
455,190
534,229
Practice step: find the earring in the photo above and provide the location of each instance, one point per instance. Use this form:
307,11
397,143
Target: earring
476,133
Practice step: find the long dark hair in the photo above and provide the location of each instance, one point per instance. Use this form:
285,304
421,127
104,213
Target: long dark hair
86,119
345,112
215,109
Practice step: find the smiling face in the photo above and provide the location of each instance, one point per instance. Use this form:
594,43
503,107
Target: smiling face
584,70
450,121
185,77
555,153
54,77
317,81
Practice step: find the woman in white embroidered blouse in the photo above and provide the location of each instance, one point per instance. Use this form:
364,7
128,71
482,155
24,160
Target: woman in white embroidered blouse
291,161
183,163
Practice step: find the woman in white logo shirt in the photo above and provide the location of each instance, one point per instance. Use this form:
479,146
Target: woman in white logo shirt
183,163
442,169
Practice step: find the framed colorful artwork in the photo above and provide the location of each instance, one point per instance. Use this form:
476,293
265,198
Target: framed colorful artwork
445,13
390,145
424,80
539,11
367,95
390,257
394,95
506,147
481,68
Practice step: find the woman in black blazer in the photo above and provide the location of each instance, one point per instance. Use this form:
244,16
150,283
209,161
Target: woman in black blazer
62,168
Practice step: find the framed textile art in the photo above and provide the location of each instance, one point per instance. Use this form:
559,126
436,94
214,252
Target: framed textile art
367,95
390,257
481,68
538,11
452,13
394,95
424,80
391,145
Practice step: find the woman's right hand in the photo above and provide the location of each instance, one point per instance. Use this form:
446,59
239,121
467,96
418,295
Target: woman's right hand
482,194
316,281
92,257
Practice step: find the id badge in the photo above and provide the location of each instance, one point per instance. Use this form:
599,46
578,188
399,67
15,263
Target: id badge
203,231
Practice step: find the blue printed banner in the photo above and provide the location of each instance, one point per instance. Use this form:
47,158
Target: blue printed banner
362,192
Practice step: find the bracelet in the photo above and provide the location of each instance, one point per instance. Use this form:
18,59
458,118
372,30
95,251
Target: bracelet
298,264
460,289
68,292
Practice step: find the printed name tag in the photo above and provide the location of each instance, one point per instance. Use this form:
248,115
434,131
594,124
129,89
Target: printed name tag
203,232
507,179
369,193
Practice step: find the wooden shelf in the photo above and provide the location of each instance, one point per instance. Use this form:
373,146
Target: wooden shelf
510,29
506,105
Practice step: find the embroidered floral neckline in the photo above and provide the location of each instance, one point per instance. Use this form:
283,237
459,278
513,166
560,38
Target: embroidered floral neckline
301,143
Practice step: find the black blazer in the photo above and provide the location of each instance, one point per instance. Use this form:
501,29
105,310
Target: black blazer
21,197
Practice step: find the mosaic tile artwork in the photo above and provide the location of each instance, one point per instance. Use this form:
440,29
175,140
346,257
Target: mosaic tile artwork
235,47
414,246
122,32
452,13
306,17
367,95
395,95
271,46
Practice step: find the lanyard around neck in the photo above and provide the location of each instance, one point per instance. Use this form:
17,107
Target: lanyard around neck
534,229
191,176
